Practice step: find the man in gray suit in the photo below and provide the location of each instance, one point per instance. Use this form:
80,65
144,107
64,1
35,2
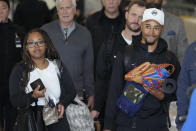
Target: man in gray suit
74,44
174,32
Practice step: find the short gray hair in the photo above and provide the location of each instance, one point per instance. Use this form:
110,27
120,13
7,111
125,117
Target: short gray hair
58,1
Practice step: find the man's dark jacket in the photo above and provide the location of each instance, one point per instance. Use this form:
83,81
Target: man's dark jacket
105,60
101,27
152,107
11,37
31,14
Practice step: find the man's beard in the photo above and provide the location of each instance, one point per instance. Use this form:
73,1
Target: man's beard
134,30
149,43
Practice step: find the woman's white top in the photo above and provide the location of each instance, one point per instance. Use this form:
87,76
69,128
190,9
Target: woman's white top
50,80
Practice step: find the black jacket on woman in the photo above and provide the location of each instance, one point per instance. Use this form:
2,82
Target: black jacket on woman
151,116
20,99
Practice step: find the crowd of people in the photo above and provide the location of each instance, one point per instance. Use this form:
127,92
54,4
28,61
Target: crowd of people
92,56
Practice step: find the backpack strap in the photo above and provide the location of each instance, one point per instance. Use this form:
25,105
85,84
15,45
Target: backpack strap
58,67
128,58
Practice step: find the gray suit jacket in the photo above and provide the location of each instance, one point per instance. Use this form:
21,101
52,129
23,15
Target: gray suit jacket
175,35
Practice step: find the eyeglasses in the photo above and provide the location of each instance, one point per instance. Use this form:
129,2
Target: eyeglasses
155,28
32,44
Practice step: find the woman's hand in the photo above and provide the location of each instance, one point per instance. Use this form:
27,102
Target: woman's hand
90,102
61,109
94,114
38,93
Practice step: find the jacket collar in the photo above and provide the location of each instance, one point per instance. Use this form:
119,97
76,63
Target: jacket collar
162,44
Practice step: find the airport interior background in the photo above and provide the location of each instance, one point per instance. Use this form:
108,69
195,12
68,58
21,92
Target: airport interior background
185,9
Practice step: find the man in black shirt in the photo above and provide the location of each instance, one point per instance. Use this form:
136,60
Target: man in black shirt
10,53
105,22
109,50
31,14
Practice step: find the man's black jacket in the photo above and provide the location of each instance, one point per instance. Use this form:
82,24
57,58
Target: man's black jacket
105,60
11,38
101,27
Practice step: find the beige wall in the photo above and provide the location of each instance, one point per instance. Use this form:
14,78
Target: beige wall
190,26
50,3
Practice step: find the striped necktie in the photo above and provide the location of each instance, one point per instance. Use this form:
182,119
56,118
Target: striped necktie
65,33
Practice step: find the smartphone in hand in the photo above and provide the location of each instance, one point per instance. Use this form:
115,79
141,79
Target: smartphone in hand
37,82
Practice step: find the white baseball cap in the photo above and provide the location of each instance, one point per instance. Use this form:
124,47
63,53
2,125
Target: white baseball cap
153,14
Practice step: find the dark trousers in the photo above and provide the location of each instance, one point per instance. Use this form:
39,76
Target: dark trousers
152,123
101,117
62,125
129,129
8,116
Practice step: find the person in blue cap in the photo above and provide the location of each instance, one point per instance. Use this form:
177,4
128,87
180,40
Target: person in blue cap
189,124
186,79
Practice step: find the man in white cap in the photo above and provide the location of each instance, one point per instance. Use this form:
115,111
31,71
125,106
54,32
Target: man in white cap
148,47
174,31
